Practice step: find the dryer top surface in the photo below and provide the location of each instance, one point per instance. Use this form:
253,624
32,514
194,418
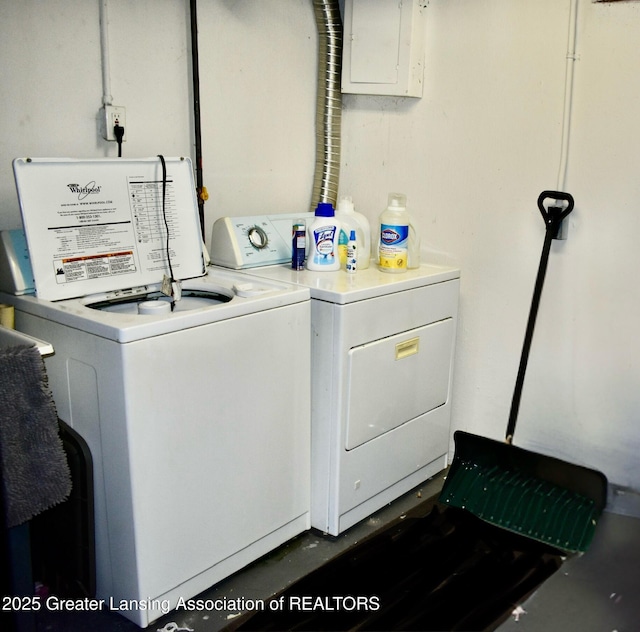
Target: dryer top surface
341,287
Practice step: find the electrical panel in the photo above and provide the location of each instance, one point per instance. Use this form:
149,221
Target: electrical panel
383,48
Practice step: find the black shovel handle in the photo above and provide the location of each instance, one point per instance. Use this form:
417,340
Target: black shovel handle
553,216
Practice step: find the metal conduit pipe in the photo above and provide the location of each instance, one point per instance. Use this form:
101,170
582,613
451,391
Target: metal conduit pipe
328,102
197,122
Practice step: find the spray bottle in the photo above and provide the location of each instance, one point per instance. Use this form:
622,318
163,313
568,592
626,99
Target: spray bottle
352,252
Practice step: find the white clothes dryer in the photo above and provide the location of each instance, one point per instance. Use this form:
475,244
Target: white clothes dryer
197,417
382,348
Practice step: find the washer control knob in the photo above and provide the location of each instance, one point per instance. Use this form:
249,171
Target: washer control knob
258,238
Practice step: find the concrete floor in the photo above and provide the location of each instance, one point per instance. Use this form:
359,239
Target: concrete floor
592,592
259,581
292,561
596,591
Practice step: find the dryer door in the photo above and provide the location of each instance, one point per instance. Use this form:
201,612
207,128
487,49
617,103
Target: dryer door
396,379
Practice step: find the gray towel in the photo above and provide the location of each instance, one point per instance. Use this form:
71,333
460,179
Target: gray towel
35,473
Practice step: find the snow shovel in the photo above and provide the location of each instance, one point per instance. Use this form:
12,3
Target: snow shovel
540,497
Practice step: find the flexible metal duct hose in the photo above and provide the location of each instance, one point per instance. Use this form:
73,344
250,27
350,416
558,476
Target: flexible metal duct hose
329,102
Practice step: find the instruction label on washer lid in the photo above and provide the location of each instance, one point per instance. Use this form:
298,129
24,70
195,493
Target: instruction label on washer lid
107,224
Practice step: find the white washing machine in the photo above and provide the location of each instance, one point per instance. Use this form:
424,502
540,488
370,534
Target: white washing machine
197,417
381,371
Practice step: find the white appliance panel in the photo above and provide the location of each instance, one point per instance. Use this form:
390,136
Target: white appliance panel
95,225
381,470
242,443
16,276
254,240
363,479
394,380
193,421
363,454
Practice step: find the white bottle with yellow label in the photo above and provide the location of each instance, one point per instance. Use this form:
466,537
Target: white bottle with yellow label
393,243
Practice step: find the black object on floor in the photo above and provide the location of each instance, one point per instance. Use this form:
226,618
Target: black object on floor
446,570
63,537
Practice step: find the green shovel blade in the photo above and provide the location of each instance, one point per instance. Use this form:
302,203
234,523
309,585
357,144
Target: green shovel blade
501,484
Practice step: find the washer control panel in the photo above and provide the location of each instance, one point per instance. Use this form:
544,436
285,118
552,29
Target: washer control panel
254,240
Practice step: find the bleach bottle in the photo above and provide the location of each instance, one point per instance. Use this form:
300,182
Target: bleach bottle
350,220
323,239
398,246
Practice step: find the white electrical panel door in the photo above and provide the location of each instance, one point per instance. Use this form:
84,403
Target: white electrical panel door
397,379
375,42
383,47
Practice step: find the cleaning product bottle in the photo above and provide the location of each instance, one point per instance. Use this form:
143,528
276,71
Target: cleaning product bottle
351,220
323,239
399,244
393,246
298,245
352,252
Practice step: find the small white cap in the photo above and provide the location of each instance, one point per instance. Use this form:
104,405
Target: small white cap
397,200
153,308
345,204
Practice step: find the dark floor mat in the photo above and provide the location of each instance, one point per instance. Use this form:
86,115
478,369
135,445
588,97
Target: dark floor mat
446,570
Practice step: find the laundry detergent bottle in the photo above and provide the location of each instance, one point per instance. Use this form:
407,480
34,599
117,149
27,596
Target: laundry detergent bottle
393,245
398,244
350,220
323,234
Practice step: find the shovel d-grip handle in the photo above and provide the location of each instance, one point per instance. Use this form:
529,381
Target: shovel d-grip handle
553,216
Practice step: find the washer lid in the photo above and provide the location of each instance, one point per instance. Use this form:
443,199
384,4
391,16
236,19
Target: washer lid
101,225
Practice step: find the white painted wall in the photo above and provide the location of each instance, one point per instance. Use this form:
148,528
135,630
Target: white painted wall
258,78
472,156
51,79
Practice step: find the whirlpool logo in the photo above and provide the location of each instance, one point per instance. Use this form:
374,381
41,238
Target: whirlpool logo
90,188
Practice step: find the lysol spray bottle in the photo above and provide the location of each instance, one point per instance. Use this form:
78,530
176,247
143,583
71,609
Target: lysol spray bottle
393,245
323,239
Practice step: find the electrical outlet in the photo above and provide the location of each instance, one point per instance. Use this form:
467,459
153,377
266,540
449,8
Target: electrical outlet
113,115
